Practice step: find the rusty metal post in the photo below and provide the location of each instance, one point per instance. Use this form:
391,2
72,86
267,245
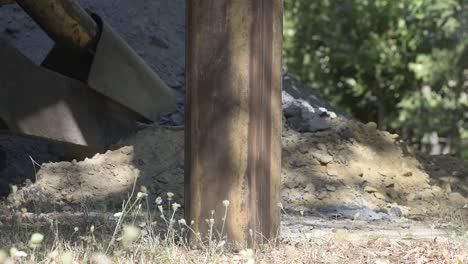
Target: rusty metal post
64,21
233,129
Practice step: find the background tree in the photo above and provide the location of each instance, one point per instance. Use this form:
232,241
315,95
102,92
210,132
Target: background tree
401,63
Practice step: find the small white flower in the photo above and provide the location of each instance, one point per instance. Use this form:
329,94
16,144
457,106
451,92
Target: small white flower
160,208
175,206
221,243
100,258
170,195
158,200
212,221
76,229
91,229
20,254
130,234
182,222
141,195
465,206
226,203
301,212
36,240
118,215
280,205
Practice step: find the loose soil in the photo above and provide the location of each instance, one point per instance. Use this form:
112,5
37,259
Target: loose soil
352,171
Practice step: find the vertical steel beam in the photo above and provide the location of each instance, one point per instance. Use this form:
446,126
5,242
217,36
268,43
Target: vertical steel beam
64,21
233,130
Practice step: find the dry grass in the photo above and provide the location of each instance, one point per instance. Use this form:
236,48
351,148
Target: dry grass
134,236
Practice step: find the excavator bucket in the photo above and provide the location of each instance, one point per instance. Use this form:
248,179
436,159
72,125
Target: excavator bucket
39,102
105,61
89,91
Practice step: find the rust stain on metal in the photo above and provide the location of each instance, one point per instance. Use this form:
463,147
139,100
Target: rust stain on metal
64,21
233,147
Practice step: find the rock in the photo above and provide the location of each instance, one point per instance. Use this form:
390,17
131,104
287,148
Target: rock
67,208
332,171
416,213
389,174
303,149
408,174
310,188
330,188
322,146
436,190
322,157
370,189
291,111
416,195
346,133
321,194
310,197
371,126
389,182
302,116
380,196
457,199
316,124
396,212
291,183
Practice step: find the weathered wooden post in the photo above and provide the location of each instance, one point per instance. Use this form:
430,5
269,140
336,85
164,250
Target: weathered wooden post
233,129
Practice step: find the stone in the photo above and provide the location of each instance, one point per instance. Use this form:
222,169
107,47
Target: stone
417,213
316,124
371,126
332,171
321,194
389,174
309,197
310,188
291,183
396,212
457,199
322,146
322,157
370,189
291,110
415,195
408,174
330,188
379,195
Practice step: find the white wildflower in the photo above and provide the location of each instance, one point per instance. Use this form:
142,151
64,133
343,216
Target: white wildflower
141,195
175,206
170,195
118,215
158,200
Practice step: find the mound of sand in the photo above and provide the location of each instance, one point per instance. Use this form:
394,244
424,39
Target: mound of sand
347,170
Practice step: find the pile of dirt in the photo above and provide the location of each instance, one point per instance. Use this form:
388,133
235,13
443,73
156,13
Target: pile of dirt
349,170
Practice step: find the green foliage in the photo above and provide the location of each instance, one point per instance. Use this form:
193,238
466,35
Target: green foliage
403,63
